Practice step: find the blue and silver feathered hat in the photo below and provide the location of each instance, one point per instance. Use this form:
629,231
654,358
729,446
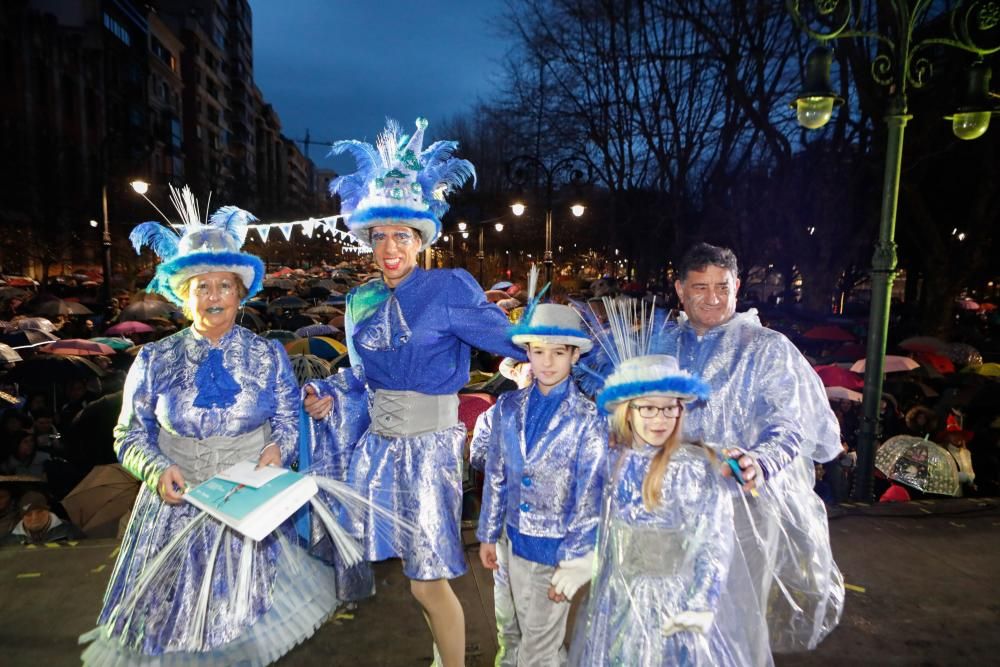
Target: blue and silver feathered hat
551,323
635,372
398,182
202,247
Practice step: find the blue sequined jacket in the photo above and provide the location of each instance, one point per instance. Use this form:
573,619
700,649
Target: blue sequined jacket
554,491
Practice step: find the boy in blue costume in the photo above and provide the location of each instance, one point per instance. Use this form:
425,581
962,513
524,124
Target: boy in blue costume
538,523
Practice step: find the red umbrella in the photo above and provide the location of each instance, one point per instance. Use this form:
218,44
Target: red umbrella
938,362
835,376
78,347
829,332
130,327
847,352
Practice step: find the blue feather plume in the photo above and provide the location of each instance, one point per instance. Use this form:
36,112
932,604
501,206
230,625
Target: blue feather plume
451,173
353,187
234,220
439,151
161,239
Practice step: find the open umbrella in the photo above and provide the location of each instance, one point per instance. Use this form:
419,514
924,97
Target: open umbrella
56,307
78,347
116,344
893,364
919,463
35,324
316,330
256,304
964,355
26,338
989,370
250,319
846,352
129,327
938,362
309,367
8,354
835,376
843,394
829,332
14,293
279,283
324,310
101,499
282,335
502,285
45,369
288,303
924,344
968,304
146,310
323,347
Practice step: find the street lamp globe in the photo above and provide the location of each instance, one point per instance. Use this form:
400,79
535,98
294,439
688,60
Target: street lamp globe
578,209
517,208
141,187
970,125
814,112
465,235
498,226
462,226
94,223
445,238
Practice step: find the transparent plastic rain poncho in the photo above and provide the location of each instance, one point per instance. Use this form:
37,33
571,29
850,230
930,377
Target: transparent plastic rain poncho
680,556
767,400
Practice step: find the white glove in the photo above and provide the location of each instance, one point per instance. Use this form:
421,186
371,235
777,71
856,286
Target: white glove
688,621
573,573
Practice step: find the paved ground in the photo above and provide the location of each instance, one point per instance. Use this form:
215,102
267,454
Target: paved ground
924,580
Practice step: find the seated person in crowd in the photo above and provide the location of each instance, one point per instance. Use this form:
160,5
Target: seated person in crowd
38,524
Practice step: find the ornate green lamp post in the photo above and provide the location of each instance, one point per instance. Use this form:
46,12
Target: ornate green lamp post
900,63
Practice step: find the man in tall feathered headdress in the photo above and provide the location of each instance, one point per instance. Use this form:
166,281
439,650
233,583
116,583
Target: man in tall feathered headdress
409,336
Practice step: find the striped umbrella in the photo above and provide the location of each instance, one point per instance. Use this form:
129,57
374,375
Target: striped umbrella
323,347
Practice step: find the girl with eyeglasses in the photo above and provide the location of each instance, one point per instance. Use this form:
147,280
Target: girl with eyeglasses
665,590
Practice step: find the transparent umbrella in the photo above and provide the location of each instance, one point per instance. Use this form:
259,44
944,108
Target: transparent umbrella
919,463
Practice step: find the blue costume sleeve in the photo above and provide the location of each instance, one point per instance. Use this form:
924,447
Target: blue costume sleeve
332,439
477,322
581,533
479,446
137,431
349,326
493,509
285,420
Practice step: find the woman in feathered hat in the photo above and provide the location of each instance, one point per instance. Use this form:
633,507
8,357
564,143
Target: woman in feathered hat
667,586
409,336
186,589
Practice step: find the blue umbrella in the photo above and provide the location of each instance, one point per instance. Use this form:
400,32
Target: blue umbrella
316,330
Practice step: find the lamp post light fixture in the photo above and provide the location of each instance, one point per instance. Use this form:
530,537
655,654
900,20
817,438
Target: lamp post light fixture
899,64
525,169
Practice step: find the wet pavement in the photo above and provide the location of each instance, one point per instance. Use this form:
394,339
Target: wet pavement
923,580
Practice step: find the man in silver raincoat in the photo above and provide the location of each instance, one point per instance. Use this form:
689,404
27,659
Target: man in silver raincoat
768,410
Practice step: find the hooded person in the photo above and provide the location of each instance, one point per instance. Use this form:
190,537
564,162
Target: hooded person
670,586
409,335
38,525
186,588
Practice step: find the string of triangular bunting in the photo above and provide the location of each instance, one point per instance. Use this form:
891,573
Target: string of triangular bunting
310,227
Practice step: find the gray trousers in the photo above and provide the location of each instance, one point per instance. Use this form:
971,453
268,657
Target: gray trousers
530,627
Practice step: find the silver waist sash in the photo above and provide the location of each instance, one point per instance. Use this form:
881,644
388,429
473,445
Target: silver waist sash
407,413
201,459
647,551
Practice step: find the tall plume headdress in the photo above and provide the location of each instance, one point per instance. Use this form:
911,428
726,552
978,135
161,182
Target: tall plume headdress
200,247
398,182
634,371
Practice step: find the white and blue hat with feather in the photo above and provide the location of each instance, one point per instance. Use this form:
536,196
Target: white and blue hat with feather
398,182
201,247
551,323
634,372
